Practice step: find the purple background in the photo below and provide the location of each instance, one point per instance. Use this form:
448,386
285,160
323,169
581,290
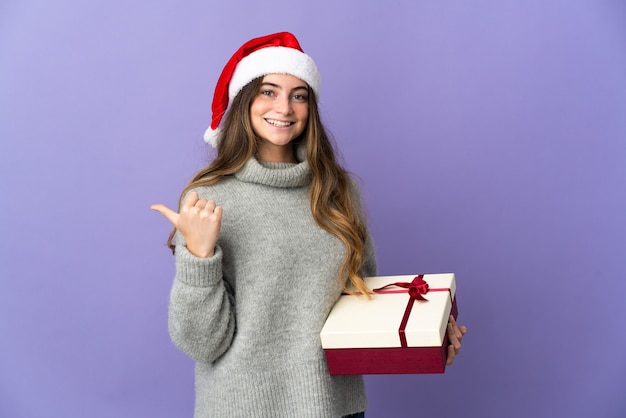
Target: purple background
490,138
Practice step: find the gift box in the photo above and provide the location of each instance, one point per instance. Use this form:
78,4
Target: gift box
402,329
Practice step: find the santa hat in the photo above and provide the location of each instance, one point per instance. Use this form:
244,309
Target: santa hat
279,53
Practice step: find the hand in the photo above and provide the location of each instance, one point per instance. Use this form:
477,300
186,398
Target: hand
199,222
455,335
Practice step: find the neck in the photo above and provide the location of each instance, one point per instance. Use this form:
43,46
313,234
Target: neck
277,154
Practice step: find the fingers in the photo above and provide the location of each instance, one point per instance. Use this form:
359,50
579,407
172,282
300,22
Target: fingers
451,355
190,201
455,336
218,212
461,328
454,345
194,203
458,331
167,212
204,204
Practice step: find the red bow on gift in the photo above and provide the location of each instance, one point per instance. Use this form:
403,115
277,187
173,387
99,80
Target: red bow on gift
417,287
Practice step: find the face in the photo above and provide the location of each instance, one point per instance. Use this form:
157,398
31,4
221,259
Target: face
279,114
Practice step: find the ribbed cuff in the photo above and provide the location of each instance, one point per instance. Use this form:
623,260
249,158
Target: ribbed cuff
196,271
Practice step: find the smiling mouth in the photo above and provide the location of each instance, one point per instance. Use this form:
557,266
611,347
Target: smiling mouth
278,123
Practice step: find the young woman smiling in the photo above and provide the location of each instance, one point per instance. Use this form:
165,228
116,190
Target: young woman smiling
266,238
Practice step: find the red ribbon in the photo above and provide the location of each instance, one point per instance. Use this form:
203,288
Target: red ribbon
416,288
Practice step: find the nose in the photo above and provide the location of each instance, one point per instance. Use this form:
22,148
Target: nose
282,105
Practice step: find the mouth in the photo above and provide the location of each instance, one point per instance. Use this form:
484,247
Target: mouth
279,123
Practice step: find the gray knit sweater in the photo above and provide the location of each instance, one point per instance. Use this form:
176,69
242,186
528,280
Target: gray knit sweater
251,315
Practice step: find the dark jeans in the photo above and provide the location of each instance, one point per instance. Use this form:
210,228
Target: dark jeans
359,415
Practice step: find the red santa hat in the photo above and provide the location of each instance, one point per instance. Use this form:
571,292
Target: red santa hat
279,53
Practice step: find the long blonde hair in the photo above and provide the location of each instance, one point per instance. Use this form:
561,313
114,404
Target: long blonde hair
332,199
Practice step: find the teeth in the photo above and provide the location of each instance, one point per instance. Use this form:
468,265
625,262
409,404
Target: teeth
278,123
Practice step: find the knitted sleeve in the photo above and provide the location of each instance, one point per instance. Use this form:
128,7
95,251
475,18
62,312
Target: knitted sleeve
201,312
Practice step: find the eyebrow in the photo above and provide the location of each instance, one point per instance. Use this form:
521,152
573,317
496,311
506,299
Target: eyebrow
267,83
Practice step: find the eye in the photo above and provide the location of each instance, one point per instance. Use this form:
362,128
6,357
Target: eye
268,93
300,97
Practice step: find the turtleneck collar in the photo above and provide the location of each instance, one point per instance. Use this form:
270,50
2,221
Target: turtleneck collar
275,174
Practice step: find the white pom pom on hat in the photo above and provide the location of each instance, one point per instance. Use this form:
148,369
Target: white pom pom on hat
278,53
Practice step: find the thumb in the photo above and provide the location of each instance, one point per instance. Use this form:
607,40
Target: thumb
167,212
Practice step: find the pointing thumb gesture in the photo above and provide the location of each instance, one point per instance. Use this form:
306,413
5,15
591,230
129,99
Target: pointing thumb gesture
167,212
199,221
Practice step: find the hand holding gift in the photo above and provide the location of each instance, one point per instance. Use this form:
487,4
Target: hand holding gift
455,335
408,326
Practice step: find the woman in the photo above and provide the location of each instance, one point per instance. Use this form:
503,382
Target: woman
253,287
